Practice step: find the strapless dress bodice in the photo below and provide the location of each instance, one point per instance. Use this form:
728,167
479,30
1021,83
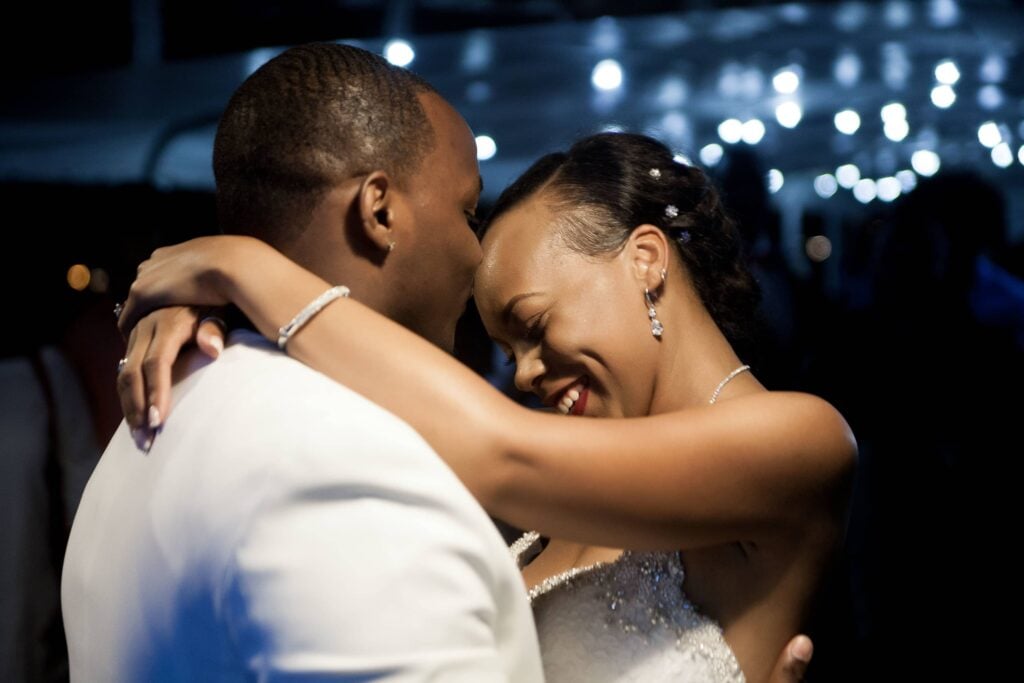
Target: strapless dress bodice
627,620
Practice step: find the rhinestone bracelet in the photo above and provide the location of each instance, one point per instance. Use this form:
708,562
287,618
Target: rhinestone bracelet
314,307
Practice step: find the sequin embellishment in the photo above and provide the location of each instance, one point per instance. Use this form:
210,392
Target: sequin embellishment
640,597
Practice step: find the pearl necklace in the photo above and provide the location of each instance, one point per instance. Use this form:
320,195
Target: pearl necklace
721,385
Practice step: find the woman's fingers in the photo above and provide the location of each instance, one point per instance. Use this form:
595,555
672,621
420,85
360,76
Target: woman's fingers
210,336
130,382
185,273
145,296
148,292
174,328
144,378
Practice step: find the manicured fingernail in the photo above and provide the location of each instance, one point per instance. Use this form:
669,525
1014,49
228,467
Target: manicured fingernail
217,343
802,649
154,417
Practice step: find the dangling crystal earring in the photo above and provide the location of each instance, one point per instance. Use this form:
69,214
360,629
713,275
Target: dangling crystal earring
656,327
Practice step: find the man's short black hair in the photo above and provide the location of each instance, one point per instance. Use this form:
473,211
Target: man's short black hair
312,117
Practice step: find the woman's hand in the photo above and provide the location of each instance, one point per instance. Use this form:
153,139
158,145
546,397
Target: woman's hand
144,381
189,277
193,273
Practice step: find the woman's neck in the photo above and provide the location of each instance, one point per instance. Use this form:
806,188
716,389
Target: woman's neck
695,359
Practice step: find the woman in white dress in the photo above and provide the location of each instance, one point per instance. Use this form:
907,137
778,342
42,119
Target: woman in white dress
614,280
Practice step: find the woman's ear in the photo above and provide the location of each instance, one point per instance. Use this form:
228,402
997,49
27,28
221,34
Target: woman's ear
648,256
374,201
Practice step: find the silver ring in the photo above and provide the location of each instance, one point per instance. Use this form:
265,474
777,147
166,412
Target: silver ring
120,365
118,307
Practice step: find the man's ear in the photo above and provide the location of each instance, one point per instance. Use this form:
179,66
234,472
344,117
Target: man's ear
648,256
374,202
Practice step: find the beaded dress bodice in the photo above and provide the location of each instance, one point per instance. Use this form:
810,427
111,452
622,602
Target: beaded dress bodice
627,620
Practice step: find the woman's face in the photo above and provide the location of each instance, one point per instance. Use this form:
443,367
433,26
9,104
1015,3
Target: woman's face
575,326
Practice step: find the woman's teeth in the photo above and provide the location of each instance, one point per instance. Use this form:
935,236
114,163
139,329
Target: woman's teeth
568,401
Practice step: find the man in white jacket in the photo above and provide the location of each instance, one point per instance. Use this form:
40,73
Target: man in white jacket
282,527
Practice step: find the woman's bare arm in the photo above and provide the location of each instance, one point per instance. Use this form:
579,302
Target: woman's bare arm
710,475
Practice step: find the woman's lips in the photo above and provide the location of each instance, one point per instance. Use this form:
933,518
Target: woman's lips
581,402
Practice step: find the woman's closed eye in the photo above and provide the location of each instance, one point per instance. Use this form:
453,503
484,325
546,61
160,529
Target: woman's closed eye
535,328
533,331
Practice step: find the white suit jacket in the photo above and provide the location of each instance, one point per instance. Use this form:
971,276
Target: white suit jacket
284,528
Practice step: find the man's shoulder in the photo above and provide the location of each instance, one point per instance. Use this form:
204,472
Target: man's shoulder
263,381
257,401
250,359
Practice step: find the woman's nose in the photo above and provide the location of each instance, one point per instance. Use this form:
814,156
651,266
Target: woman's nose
529,370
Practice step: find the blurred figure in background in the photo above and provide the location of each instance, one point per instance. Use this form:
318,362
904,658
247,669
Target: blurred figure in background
47,453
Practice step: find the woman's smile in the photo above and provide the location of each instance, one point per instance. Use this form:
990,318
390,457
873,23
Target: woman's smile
572,400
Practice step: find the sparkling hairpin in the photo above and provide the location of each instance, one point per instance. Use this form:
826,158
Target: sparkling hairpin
684,236
655,173
671,211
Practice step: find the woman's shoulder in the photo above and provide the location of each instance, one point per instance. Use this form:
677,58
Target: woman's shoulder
787,409
798,405
817,432
803,426
808,411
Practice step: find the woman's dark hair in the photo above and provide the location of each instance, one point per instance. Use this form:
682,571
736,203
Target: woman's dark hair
608,184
